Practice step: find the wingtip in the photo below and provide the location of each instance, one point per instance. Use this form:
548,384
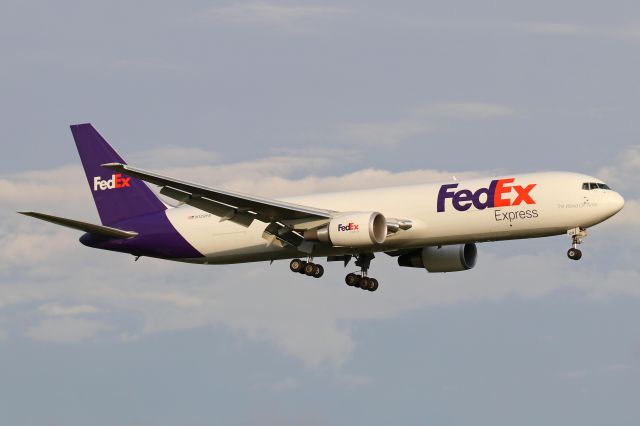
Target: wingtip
80,125
112,165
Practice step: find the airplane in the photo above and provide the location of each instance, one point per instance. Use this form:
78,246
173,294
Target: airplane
430,226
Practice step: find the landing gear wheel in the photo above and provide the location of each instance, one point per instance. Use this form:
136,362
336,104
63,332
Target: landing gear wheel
351,279
304,265
295,265
309,269
358,283
365,283
373,284
318,271
574,254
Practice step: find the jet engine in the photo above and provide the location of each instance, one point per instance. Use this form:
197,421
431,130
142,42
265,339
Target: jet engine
453,258
352,229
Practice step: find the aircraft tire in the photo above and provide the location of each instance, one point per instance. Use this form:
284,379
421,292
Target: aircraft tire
373,284
295,265
351,280
365,283
304,264
318,271
310,269
574,254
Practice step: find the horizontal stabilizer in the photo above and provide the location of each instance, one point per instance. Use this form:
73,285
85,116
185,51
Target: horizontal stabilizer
83,226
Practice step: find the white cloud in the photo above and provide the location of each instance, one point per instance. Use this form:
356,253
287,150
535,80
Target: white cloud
569,29
625,173
386,134
65,330
469,110
574,375
17,248
353,381
270,13
552,28
66,188
286,384
4,335
619,368
173,156
422,121
628,217
56,310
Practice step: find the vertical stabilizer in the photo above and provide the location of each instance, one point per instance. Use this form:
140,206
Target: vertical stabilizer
117,196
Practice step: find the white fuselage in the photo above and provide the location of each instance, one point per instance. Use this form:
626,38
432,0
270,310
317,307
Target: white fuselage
555,204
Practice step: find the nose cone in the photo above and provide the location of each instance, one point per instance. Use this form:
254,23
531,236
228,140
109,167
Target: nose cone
615,202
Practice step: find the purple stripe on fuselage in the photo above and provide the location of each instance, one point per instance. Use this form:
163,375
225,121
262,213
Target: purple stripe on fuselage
157,237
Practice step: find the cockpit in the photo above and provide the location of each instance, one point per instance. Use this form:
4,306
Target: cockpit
588,186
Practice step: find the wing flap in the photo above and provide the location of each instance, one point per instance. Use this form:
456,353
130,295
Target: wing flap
224,211
91,228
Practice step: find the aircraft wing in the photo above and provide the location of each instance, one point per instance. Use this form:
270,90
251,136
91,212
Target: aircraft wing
236,207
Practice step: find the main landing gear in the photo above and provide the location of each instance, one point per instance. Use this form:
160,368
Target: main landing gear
576,234
306,267
361,280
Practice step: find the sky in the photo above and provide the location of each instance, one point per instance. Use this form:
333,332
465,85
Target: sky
279,98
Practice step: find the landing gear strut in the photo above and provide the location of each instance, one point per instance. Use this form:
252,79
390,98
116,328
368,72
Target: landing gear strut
576,234
306,267
361,280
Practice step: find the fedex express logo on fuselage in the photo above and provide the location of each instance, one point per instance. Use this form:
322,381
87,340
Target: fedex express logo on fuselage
117,181
500,193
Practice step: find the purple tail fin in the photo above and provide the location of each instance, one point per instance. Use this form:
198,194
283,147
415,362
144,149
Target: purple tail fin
117,196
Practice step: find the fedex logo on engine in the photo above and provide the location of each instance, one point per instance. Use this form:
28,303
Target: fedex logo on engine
117,181
349,227
500,193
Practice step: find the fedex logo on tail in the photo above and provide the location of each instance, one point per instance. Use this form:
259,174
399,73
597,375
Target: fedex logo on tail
117,181
500,193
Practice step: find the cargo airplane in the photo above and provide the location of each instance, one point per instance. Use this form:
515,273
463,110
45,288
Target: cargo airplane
431,226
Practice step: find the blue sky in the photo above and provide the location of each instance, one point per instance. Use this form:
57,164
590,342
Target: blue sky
279,98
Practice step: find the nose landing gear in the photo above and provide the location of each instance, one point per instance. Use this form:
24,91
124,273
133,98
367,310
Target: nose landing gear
576,234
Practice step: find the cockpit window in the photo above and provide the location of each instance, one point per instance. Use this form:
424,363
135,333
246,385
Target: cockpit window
587,186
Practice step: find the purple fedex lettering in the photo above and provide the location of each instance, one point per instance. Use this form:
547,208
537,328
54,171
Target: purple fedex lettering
462,200
444,194
489,196
484,198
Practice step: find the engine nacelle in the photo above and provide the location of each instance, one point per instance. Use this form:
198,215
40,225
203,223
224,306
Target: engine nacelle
352,229
442,258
